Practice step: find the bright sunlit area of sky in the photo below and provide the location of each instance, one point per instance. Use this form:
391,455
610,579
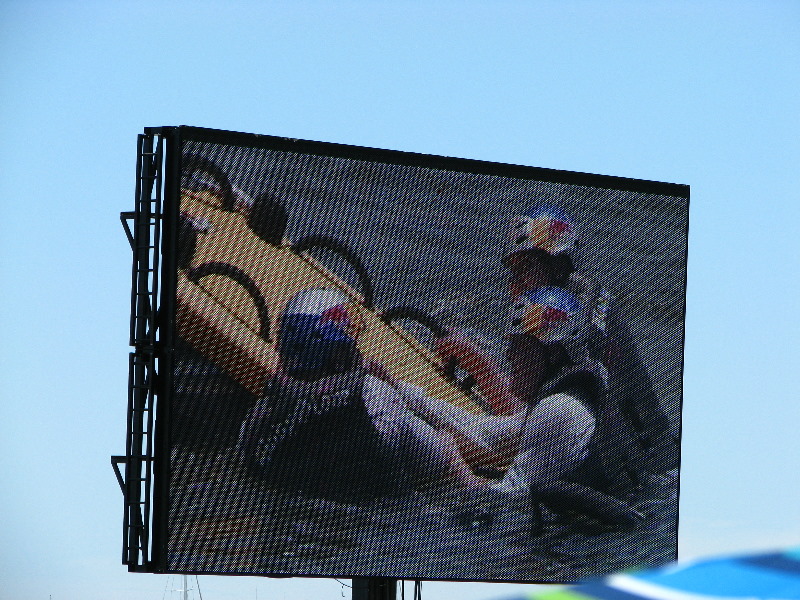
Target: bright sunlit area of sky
704,93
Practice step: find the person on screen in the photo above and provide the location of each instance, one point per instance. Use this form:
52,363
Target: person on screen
542,243
550,424
632,428
546,421
334,425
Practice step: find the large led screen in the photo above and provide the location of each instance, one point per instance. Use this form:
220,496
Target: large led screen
397,365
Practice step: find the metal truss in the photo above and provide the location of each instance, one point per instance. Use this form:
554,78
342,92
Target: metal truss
145,239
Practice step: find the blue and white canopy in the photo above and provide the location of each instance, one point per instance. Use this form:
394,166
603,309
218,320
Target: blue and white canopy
772,576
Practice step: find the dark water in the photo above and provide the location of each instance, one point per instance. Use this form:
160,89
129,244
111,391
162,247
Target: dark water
227,521
434,241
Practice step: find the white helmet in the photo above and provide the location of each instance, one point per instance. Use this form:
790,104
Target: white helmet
550,313
545,227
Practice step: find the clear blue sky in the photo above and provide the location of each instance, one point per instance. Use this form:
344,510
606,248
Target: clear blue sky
696,92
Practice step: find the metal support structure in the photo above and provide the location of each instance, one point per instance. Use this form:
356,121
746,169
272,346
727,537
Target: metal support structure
145,239
374,588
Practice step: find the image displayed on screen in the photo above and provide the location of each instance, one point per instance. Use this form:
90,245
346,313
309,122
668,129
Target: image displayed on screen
409,372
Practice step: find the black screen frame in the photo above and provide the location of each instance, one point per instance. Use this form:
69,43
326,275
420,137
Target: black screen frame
174,138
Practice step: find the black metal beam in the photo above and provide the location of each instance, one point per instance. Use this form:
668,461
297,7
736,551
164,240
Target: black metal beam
374,588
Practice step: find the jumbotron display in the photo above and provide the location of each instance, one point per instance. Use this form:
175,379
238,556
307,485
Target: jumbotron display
383,364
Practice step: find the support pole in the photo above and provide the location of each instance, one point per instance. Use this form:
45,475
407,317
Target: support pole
374,588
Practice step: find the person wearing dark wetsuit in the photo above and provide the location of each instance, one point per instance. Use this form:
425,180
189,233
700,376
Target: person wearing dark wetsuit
332,426
544,422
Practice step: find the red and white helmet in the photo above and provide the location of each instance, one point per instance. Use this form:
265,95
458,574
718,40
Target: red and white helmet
545,227
550,313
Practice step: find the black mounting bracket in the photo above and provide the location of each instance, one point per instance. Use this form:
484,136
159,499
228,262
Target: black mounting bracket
143,230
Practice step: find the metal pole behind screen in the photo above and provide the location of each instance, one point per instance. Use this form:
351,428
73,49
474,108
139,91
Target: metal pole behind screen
374,588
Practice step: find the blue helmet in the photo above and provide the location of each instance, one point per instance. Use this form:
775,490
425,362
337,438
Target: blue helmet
316,334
